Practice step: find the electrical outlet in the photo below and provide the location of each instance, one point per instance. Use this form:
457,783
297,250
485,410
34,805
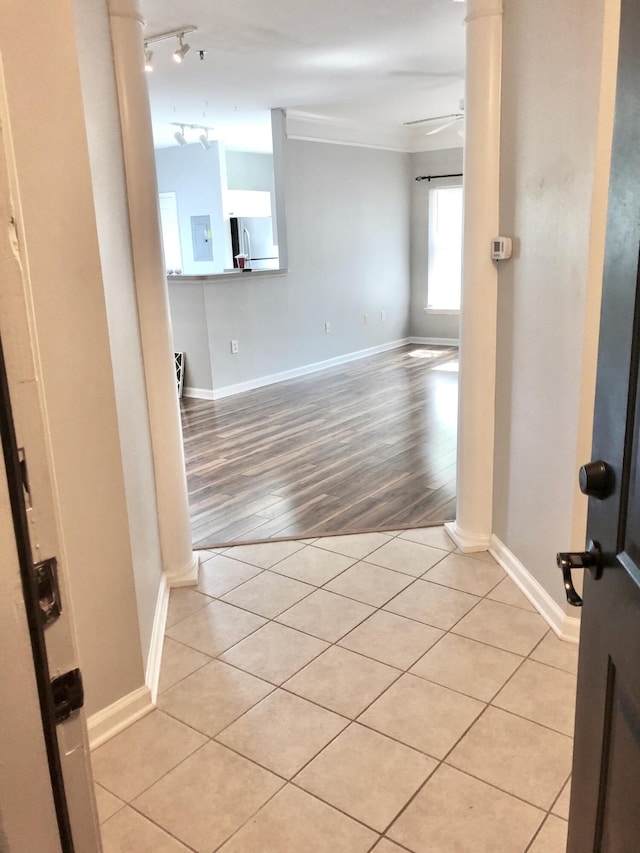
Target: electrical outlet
366,319
383,316
234,347
327,328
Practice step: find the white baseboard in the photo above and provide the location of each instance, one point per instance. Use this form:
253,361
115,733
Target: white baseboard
187,575
436,342
154,658
198,393
468,543
273,378
109,722
565,626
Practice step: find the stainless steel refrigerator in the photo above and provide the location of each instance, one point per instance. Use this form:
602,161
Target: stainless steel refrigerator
252,236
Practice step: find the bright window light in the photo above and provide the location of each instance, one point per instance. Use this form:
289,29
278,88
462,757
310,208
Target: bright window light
445,249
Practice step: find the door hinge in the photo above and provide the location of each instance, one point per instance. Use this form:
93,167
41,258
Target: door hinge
68,694
46,573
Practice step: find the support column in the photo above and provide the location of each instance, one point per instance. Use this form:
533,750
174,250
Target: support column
471,531
179,562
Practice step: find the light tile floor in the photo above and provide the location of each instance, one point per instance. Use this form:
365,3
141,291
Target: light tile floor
415,702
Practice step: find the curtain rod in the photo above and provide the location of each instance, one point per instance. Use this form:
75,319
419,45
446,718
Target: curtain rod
433,177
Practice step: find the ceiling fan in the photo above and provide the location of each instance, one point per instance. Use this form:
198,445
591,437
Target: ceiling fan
446,121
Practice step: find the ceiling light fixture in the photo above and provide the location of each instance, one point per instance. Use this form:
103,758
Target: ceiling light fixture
204,139
179,54
183,50
179,136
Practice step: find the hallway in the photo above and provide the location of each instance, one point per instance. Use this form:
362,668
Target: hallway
354,693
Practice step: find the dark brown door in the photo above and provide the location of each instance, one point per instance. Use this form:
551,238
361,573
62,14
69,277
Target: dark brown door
605,801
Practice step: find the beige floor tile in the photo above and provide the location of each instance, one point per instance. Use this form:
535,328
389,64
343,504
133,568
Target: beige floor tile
141,754
432,604
353,545
454,813
215,628
106,803
412,558
268,594
483,556
213,697
208,797
466,574
503,626
183,602
370,584
435,537
516,755
467,666
283,732
423,715
552,838
178,661
367,775
391,639
342,681
558,653
561,805
221,574
326,615
264,554
508,593
314,565
274,652
386,846
296,822
543,694
130,832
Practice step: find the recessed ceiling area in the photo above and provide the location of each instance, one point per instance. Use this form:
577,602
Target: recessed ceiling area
368,61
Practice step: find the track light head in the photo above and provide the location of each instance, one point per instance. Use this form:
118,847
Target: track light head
204,140
148,59
179,136
182,51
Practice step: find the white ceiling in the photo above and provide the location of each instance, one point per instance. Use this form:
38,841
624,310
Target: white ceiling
384,62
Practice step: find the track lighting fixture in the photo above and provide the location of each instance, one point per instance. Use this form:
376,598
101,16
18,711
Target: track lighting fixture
179,54
183,50
203,139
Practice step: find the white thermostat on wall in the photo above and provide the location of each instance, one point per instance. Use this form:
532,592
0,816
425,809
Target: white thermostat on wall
500,248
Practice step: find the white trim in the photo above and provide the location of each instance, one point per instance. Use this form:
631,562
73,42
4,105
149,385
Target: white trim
105,724
565,626
187,575
445,342
198,393
273,378
453,311
154,658
468,543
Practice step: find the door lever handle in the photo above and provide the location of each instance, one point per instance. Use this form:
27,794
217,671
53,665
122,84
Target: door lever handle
567,560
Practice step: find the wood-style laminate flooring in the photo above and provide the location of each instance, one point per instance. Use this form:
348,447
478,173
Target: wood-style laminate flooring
368,445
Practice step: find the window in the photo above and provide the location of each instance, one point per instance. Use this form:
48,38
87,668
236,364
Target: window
170,233
445,249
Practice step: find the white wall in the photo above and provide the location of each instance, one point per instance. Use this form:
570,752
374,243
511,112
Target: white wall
446,161
195,176
61,246
551,80
249,170
348,239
